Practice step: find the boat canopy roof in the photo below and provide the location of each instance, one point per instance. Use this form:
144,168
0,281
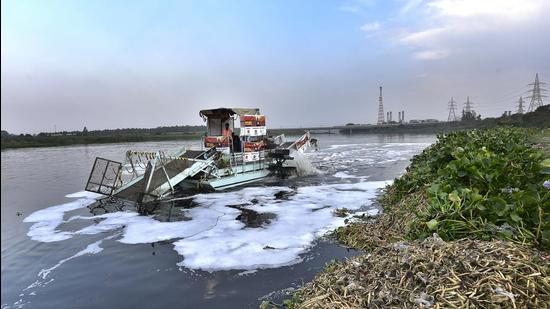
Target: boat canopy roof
225,112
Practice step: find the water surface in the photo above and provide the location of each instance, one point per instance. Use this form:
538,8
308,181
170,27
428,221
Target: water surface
232,251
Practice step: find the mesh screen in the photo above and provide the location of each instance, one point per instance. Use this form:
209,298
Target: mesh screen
103,176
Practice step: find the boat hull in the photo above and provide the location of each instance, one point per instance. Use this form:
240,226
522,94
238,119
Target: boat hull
237,179
226,182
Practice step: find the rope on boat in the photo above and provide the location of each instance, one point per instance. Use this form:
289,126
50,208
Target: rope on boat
152,155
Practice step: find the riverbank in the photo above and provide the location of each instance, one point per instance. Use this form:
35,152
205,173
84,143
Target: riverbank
67,140
28,141
467,225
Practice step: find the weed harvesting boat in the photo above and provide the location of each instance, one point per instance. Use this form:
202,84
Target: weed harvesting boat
228,157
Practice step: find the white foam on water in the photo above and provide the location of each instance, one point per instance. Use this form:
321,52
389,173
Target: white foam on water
247,272
84,194
337,146
345,175
47,220
369,213
305,216
214,239
417,145
303,165
92,248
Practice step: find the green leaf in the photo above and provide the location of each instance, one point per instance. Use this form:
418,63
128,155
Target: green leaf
515,217
432,224
453,197
476,197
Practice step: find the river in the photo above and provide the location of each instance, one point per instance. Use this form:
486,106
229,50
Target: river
60,250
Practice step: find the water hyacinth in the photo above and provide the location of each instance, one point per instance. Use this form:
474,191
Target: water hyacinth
466,226
479,180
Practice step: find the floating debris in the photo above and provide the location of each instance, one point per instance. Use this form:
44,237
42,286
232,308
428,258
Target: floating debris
341,212
392,225
435,273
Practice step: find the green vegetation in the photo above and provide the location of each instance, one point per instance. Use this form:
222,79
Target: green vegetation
481,184
467,225
290,303
66,140
112,136
101,136
340,212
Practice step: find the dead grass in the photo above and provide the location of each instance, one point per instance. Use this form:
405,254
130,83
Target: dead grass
392,225
438,274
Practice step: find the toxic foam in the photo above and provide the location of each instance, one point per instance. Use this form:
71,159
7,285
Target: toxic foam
214,239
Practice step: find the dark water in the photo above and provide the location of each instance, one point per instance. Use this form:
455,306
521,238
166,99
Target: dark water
147,274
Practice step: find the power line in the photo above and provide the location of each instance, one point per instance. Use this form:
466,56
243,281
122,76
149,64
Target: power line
513,94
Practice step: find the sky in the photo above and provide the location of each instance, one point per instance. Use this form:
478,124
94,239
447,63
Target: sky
125,64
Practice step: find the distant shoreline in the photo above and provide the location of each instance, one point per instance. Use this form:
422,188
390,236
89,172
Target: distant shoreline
69,140
36,141
537,119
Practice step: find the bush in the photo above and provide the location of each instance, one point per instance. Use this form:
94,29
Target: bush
481,184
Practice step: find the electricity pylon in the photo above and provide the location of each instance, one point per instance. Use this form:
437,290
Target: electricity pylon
468,106
536,96
452,112
520,106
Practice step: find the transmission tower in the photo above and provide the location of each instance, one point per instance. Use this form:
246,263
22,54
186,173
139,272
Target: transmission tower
452,113
380,108
468,107
536,96
520,105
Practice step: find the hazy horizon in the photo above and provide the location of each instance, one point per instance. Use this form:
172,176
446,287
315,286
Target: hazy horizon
141,64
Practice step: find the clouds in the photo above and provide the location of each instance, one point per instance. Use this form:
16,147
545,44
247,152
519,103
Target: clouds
432,54
409,5
511,10
423,36
464,47
451,23
357,6
434,29
68,63
370,27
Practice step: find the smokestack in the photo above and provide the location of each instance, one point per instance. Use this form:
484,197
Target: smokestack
391,116
403,115
380,108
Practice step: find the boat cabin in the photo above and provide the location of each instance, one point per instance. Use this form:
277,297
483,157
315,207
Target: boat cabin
247,132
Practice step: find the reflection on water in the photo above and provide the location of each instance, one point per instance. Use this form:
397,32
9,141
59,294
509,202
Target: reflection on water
211,283
193,249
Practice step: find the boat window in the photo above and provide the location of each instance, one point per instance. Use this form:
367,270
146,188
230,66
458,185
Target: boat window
214,127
